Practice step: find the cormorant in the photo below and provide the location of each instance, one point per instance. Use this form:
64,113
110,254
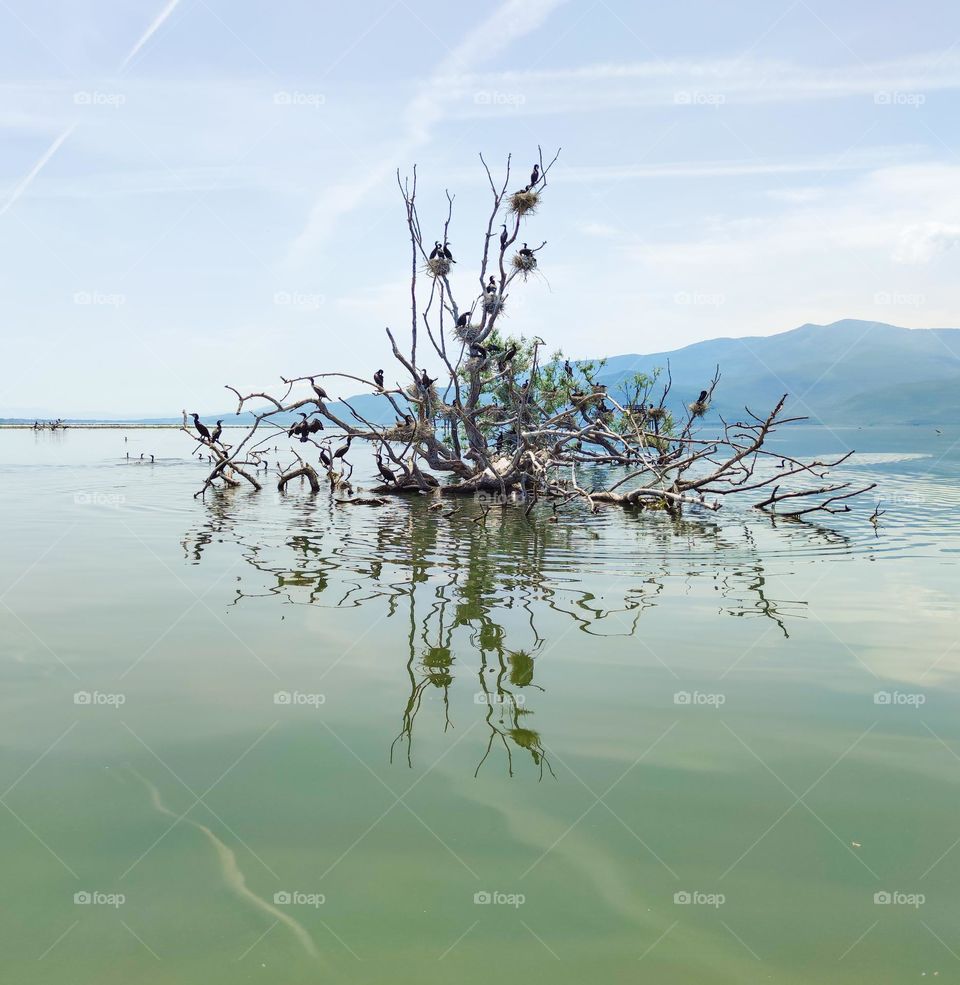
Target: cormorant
702,397
409,420
437,250
567,368
217,431
201,428
477,351
318,390
534,176
386,472
426,382
343,449
463,320
526,251
506,358
325,458
447,255
491,286
315,425
504,237
297,425
378,379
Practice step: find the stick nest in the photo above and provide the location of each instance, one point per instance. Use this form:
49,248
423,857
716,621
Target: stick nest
699,407
493,304
438,266
467,333
523,202
524,263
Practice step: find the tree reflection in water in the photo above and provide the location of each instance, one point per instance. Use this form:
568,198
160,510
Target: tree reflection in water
449,576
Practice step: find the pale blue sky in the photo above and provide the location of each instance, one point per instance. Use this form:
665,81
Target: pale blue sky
201,192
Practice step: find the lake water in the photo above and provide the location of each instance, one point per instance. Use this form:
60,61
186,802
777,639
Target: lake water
274,739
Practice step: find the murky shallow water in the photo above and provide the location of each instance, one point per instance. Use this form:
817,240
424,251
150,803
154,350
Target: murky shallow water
357,744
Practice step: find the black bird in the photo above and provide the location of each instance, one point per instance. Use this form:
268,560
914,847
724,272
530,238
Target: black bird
567,368
325,458
315,425
437,250
217,431
506,358
702,397
386,472
534,176
426,382
463,320
201,428
491,286
378,379
295,428
504,236
318,390
409,420
343,449
526,251
447,255
477,351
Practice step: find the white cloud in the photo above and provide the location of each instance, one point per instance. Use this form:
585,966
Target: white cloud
920,242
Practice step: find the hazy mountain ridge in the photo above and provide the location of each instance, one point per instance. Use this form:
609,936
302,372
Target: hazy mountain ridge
848,372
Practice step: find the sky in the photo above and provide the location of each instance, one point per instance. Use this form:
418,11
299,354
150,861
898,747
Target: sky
196,193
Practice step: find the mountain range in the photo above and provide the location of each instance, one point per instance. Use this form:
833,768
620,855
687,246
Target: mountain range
847,373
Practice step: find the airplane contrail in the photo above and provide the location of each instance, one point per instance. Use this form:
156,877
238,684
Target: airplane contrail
37,168
155,26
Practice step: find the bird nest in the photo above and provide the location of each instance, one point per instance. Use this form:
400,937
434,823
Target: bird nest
409,432
438,266
656,413
524,202
467,333
493,304
699,407
524,264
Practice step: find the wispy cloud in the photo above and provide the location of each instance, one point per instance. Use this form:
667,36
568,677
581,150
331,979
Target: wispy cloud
511,21
36,169
155,26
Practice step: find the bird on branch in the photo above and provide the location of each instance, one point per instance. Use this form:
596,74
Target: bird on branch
445,252
534,176
504,237
217,431
343,449
318,390
463,320
491,287
378,379
385,471
506,358
201,428
526,251
425,381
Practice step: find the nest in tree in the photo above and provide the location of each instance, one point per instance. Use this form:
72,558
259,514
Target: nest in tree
467,333
524,202
656,413
524,264
409,432
699,407
493,304
438,266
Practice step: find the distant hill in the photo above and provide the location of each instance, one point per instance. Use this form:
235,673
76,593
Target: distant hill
849,372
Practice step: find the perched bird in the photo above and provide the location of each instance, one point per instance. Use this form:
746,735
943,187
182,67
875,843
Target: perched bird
201,428
463,320
217,431
567,368
491,286
526,251
378,379
409,420
297,426
447,255
318,390
477,351
506,358
702,397
343,449
325,458
534,176
437,250
425,381
385,471
504,237
315,425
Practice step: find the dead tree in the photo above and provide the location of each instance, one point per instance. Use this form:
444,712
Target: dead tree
503,422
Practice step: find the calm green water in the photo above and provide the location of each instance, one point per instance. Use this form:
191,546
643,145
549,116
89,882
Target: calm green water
590,721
